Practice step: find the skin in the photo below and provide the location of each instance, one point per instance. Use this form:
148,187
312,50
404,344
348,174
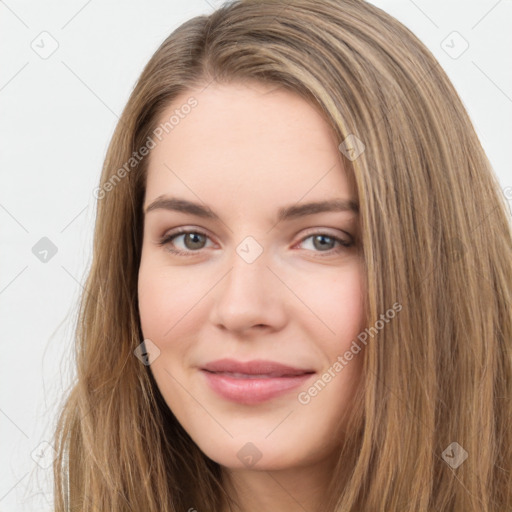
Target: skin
245,151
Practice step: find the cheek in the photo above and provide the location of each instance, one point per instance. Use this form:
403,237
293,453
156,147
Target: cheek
348,305
168,299
337,299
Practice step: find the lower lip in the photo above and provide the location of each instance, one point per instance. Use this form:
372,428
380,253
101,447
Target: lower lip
252,390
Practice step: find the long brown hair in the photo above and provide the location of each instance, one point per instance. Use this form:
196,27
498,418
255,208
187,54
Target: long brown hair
435,235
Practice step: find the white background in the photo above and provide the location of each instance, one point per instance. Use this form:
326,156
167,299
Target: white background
56,118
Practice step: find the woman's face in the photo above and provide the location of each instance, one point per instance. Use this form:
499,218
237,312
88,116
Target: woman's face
262,280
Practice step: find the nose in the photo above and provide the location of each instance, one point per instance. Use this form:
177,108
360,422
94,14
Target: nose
249,297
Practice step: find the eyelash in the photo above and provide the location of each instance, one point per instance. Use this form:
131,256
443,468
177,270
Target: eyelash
165,240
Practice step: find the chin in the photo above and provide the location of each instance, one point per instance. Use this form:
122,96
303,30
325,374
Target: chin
256,452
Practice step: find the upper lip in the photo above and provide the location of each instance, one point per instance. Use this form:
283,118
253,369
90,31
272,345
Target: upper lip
254,367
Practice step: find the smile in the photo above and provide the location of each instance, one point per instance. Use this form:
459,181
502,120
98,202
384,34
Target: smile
253,382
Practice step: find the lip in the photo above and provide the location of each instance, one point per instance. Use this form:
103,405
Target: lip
253,382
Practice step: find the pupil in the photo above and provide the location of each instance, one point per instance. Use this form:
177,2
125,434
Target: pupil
321,237
193,238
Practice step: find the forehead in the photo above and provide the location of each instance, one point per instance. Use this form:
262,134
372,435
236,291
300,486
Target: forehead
255,143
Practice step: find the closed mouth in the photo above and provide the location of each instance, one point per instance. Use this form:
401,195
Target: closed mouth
271,375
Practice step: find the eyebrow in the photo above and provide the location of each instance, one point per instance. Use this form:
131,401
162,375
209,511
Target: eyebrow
285,213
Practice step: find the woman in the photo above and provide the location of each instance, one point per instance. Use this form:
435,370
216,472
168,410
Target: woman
301,281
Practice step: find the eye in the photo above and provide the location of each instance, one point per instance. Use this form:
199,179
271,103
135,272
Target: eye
325,243
193,240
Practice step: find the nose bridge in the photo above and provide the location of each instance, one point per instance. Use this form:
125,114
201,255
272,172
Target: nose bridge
247,295
248,268
247,283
